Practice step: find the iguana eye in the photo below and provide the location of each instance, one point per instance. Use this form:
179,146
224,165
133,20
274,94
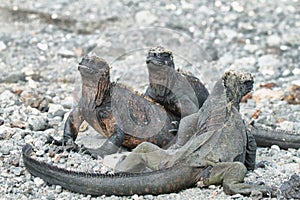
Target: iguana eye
248,84
152,54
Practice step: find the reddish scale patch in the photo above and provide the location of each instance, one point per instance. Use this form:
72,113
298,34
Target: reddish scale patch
138,113
108,125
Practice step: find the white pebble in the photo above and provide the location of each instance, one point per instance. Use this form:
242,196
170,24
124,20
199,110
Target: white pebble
42,46
38,182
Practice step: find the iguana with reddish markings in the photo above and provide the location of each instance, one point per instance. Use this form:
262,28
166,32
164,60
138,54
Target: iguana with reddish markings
139,114
124,117
214,154
179,93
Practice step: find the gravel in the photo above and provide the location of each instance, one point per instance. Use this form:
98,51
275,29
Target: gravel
41,43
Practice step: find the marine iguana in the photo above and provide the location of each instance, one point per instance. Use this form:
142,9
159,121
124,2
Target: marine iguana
214,155
124,117
179,93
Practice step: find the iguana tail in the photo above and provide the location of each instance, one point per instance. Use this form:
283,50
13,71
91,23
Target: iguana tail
266,137
164,181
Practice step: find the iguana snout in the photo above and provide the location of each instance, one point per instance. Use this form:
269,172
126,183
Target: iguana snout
159,56
91,64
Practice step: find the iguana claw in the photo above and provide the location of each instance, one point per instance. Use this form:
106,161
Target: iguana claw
69,145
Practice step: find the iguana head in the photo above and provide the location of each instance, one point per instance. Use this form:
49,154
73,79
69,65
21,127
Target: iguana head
158,57
95,78
93,69
237,84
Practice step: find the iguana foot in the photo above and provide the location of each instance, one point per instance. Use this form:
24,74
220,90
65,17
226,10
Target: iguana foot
231,175
68,145
51,140
106,149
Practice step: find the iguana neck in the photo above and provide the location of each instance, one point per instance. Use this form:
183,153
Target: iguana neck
94,94
161,81
233,97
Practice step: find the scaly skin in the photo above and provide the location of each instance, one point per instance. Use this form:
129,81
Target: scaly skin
266,137
121,115
202,158
219,139
179,93
164,181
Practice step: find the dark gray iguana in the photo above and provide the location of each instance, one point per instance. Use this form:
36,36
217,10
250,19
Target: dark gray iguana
124,117
214,155
179,93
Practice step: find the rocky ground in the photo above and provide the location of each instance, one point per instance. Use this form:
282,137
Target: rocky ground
41,42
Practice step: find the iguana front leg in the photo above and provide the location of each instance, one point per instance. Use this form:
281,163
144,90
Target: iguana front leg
231,175
251,147
110,146
71,129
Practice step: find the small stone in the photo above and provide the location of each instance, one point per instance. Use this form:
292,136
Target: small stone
268,65
273,40
54,108
286,72
291,167
226,59
16,170
38,182
2,46
135,197
230,34
18,124
275,147
212,187
38,123
6,147
287,125
42,46
28,139
66,53
237,196
7,95
291,37
267,94
145,17
236,6
39,153
13,78
251,47
59,113
296,71
58,189
284,47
